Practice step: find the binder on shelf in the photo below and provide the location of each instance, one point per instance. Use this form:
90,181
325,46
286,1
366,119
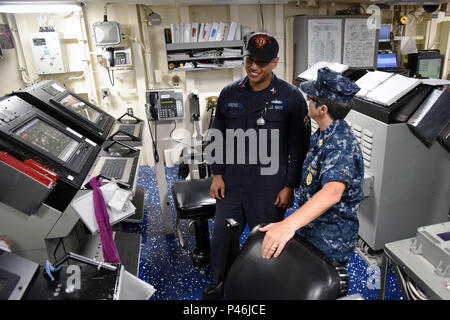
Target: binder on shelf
168,35
174,30
187,32
201,30
232,31
206,32
225,32
213,33
180,33
220,32
238,35
194,32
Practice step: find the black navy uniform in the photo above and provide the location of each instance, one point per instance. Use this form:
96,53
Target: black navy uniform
249,195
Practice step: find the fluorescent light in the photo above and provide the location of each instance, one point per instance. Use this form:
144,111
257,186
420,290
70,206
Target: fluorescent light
38,8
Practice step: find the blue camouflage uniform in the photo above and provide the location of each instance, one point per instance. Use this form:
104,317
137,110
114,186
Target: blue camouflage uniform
334,155
250,196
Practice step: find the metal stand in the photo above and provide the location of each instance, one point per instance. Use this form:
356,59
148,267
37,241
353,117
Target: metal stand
200,255
164,196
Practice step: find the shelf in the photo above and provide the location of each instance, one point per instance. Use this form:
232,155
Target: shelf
208,50
204,58
415,38
203,45
204,69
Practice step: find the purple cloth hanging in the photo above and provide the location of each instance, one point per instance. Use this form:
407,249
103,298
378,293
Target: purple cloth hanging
109,248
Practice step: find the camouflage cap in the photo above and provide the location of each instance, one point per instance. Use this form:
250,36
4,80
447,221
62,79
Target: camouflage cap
331,85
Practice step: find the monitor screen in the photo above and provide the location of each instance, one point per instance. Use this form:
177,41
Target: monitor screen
387,60
48,138
385,32
80,108
429,67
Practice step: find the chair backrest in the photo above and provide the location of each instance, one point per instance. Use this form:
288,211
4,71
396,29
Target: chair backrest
301,272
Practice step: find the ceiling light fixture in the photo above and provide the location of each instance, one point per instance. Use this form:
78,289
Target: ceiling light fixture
38,7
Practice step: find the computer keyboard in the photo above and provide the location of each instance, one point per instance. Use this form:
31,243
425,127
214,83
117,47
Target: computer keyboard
114,168
128,128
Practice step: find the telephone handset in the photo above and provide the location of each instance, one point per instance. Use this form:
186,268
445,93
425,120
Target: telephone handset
165,104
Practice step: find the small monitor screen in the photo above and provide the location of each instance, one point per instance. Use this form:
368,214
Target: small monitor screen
387,60
80,108
48,138
430,67
444,236
385,32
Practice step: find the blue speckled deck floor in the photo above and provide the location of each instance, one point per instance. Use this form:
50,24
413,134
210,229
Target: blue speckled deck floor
169,268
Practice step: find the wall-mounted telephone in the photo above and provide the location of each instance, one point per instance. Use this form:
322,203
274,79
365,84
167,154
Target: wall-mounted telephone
122,57
119,57
164,104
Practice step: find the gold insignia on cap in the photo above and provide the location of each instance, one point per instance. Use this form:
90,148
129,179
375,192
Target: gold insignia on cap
261,41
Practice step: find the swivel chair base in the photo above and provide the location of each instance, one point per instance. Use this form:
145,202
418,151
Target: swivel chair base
192,201
200,255
200,258
213,292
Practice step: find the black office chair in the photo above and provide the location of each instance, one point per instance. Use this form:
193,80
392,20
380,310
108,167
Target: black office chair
301,272
192,201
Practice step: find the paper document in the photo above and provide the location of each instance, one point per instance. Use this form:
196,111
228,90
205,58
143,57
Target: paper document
118,204
133,288
435,82
233,63
359,44
228,52
311,73
207,65
370,81
392,89
324,40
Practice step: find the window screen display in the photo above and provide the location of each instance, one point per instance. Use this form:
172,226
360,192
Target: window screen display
48,138
430,68
80,108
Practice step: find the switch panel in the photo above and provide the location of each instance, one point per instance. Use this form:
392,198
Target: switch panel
47,54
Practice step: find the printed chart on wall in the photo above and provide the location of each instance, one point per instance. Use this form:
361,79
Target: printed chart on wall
324,40
359,44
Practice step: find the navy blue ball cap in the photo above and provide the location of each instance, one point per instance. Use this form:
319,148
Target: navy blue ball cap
331,85
263,46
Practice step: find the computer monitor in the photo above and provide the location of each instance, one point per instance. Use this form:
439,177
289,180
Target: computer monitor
430,67
387,60
79,107
48,138
385,32
426,64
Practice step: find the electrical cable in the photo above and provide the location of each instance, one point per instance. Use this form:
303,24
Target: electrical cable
262,18
155,150
414,291
175,123
109,76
